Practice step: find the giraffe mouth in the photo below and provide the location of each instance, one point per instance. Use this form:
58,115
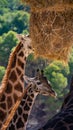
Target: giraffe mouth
54,94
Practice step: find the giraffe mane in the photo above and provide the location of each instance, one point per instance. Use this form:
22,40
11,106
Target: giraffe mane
6,76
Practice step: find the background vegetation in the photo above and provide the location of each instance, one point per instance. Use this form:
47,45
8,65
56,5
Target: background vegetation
14,18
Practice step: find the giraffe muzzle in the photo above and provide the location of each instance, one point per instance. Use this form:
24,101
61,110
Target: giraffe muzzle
53,94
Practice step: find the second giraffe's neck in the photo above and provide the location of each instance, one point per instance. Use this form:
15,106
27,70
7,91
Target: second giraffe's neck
68,102
12,84
20,118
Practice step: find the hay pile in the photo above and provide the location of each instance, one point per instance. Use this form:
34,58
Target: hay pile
40,4
51,28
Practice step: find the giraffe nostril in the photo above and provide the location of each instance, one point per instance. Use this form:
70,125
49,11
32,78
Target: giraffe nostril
29,47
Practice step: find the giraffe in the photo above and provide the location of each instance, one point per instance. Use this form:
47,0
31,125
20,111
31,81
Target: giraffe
12,86
64,119
36,85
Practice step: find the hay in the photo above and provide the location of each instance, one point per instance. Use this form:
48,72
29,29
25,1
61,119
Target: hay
51,28
39,5
47,3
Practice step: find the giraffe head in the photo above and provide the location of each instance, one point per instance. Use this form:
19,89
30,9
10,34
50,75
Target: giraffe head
40,84
26,41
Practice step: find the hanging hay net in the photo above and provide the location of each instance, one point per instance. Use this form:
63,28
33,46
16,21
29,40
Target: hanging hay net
51,28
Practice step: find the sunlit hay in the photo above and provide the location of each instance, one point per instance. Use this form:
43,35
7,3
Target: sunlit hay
51,28
39,4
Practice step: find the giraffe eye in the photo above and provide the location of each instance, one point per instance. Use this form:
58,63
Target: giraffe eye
38,83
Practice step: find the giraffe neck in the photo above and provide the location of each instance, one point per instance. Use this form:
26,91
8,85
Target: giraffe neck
12,84
64,119
68,102
20,118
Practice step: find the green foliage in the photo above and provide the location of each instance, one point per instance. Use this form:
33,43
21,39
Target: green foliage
7,42
57,74
14,4
2,72
4,11
59,82
56,67
64,69
16,21
31,57
25,32
71,62
3,2
20,21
